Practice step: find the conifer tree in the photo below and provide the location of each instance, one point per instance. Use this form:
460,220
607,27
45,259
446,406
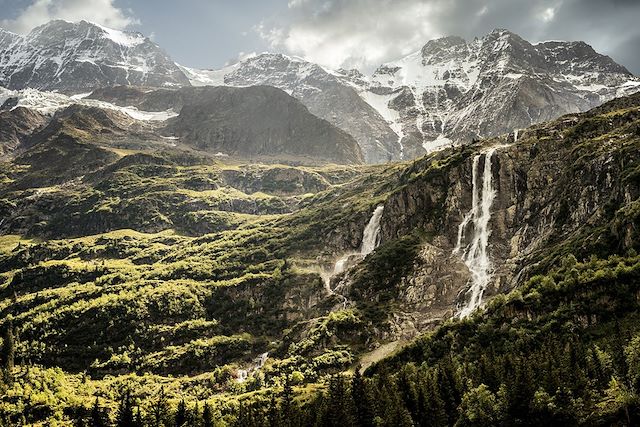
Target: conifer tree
8,352
159,413
124,416
181,414
287,403
139,422
194,418
362,400
98,416
207,415
273,412
339,405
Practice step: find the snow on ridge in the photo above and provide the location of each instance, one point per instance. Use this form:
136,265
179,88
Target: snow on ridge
50,102
198,77
440,143
123,38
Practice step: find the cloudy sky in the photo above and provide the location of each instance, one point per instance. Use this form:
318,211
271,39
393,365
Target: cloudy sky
347,33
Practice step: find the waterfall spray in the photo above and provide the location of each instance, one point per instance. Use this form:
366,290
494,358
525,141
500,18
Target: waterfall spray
475,254
370,241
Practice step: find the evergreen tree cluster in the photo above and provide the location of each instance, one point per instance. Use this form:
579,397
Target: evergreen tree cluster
563,382
156,413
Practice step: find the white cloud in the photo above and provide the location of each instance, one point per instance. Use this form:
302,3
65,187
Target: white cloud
353,33
366,33
548,14
241,57
103,12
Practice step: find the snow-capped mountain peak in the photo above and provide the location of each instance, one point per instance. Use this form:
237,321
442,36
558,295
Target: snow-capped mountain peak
449,91
80,56
325,93
123,38
452,90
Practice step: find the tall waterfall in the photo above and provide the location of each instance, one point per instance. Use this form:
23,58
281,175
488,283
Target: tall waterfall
475,253
370,241
371,235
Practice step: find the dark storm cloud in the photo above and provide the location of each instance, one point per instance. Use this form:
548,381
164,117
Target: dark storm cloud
368,32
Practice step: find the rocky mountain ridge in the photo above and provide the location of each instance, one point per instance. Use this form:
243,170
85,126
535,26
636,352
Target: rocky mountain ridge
450,91
259,122
80,57
454,91
321,90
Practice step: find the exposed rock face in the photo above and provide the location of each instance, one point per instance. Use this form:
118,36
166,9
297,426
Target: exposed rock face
430,294
260,121
564,187
453,91
254,122
450,91
16,125
323,93
49,161
79,57
276,180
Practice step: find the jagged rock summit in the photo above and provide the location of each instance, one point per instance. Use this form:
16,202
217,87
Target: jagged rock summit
453,91
323,92
81,56
450,91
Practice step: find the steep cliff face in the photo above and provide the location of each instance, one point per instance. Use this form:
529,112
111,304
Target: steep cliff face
320,90
568,186
16,125
259,121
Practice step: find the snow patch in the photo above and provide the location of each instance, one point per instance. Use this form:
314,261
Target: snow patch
513,75
123,38
50,102
440,143
207,77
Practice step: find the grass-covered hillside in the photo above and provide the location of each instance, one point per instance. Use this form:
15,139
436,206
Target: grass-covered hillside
143,284
171,268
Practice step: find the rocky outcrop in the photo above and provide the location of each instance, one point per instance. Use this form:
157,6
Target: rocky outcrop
275,180
259,121
563,187
453,91
16,125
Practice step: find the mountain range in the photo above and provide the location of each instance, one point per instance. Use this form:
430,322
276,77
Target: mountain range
449,92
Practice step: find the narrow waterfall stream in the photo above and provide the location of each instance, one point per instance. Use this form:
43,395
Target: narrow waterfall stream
475,254
258,363
370,241
371,235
